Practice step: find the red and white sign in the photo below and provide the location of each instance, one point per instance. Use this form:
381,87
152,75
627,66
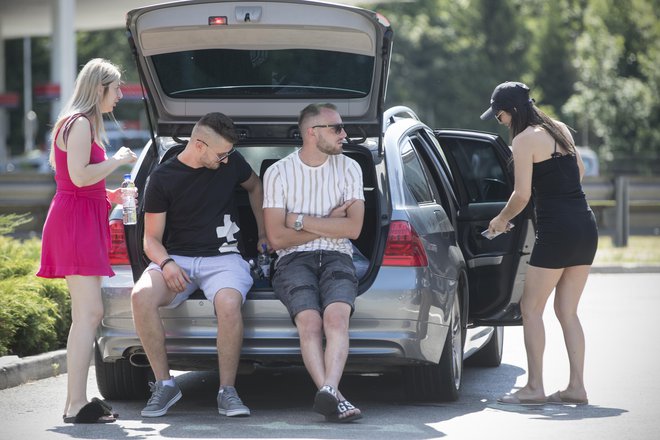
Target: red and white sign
132,92
47,92
51,91
9,100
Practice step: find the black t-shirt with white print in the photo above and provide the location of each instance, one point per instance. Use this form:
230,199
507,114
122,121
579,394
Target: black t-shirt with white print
199,202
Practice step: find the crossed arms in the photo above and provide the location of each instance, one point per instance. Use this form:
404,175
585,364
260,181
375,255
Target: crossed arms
344,221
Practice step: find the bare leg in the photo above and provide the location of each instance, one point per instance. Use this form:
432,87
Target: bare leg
227,303
86,315
310,331
335,325
150,293
567,296
325,368
539,284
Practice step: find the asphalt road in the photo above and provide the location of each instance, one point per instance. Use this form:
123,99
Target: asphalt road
619,312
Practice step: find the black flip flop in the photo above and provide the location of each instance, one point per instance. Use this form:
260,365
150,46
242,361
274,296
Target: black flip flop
106,407
93,412
343,407
326,401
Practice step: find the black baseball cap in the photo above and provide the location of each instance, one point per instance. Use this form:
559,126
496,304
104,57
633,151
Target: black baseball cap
506,96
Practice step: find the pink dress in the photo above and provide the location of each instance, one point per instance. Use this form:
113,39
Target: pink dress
76,235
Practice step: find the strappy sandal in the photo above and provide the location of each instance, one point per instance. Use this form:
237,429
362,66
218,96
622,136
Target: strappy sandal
344,407
326,400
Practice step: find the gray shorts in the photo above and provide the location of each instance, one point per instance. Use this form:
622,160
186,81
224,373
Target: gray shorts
315,279
211,274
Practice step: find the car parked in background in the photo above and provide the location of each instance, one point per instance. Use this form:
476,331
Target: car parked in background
33,161
134,139
432,290
37,160
590,160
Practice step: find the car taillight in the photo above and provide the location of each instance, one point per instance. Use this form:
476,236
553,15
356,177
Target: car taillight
404,247
118,249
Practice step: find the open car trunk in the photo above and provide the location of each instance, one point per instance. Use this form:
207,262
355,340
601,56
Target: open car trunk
259,63
261,156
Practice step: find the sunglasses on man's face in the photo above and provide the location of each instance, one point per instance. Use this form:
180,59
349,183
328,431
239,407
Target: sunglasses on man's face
222,156
336,127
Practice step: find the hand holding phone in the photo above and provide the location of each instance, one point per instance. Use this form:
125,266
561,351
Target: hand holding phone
490,235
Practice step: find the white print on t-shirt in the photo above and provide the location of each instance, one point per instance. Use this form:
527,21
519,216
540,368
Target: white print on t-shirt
227,232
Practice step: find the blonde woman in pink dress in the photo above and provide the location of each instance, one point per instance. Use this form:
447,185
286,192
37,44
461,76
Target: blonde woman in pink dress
76,234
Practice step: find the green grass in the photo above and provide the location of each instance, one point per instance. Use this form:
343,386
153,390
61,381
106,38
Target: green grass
644,250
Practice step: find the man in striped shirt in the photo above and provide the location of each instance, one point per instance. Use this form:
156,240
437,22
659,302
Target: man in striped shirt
313,207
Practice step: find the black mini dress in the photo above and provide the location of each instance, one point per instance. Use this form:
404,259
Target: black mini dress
566,230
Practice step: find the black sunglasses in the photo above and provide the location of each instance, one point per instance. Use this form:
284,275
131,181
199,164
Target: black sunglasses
337,127
497,116
220,157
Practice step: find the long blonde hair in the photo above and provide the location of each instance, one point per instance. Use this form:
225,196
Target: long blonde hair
86,99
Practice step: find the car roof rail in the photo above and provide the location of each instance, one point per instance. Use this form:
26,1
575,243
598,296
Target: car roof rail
399,110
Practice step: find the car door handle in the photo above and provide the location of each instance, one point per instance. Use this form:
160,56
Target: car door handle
485,261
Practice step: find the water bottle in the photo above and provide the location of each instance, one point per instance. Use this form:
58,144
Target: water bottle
263,261
255,270
128,194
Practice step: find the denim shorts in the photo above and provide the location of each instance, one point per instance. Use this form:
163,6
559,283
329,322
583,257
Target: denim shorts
314,279
211,274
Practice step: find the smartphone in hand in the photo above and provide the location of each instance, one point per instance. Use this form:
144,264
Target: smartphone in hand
490,235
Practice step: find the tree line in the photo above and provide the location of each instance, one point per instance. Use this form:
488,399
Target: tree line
592,63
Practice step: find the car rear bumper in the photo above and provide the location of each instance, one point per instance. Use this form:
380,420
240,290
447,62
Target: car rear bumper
393,325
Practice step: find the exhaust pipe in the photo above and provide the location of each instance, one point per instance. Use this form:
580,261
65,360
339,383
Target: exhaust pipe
139,359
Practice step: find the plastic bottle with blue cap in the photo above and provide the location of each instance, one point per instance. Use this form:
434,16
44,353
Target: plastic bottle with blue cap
128,195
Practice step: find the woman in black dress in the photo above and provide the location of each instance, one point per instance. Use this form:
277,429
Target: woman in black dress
547,163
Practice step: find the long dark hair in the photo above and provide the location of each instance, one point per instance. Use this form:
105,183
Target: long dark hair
530,114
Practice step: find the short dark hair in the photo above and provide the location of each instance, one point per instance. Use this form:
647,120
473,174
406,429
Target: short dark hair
221,124
313,110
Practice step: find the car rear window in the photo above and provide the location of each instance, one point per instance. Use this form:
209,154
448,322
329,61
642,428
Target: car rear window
230,73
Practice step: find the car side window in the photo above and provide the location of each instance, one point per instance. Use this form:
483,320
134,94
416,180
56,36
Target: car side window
420,144
413,174
482,172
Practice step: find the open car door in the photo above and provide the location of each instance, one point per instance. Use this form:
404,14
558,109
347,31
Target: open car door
483,181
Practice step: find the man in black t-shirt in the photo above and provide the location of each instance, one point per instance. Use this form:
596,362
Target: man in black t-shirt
192,196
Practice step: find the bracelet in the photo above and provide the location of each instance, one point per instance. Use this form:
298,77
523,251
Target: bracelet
165,261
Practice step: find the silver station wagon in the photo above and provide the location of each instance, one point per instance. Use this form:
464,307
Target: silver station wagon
433,291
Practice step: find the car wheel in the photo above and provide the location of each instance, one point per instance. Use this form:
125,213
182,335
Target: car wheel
441,382
120,380
490,355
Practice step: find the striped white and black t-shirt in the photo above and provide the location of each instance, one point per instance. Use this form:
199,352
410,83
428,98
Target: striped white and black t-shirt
314,191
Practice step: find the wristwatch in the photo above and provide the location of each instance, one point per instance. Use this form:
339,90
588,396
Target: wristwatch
298,224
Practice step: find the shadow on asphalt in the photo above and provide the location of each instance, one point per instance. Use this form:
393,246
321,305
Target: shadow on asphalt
281,408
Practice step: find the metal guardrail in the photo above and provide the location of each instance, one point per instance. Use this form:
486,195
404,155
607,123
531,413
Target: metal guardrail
32,192
625,204
602,190
23,190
